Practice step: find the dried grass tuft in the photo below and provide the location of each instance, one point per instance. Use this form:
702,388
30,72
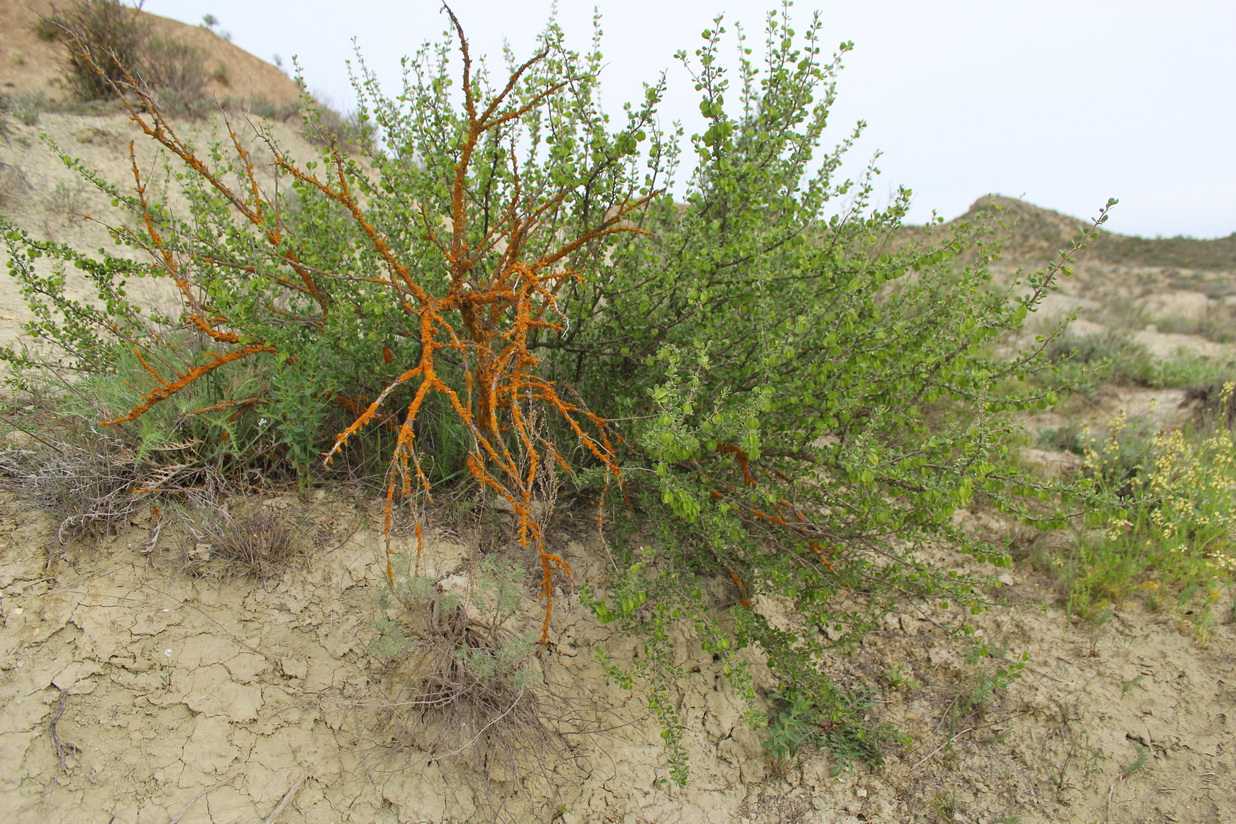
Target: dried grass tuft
257,541
466,685
94,483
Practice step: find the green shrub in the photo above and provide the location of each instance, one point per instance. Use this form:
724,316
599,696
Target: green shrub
105,40
178,71
109,49
1188,369
777,402
260,106
1086,360
323,126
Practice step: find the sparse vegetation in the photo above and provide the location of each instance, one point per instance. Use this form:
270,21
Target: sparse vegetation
1086,361
1177,526
782,425
533,312
109,48
24,107
255,540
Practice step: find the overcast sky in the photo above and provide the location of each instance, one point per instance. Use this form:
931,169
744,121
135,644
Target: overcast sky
1061,102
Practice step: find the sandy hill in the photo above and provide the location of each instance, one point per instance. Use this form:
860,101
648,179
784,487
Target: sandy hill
33,64
1036,233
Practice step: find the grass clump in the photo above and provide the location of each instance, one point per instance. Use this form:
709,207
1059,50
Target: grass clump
252,541
1085,361
94,482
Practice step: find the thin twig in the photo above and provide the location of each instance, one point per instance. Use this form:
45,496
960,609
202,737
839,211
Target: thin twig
942,746
34,435
194,799
64,750
286,798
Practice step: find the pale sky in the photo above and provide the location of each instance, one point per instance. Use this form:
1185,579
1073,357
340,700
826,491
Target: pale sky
1061,102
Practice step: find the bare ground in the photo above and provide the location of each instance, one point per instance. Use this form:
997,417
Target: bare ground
131,691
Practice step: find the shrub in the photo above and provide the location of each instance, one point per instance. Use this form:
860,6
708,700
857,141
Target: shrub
789,408
105,40
178,71
323,126
110,50
1084,360
260,106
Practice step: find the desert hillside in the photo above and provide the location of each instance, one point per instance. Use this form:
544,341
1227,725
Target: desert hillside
32,66
146,675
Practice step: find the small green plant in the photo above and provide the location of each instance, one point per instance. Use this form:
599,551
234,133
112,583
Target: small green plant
984,685
463,673
1127,686
800,721
944,806
1138,764
1176,526
67,199
897,678
793,725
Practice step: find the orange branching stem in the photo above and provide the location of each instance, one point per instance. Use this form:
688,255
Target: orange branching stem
742,587
237,404
165,391
484,316
744,462
781,514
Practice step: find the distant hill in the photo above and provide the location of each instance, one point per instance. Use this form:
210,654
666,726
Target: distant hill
1037,233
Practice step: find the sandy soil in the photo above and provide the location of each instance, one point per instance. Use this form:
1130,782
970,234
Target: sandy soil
133,692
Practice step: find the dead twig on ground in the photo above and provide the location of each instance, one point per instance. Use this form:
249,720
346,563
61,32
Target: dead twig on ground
64,750
185,810
286,798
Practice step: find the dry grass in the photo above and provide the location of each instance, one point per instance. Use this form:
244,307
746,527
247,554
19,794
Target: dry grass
93,483
465,685
255,541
